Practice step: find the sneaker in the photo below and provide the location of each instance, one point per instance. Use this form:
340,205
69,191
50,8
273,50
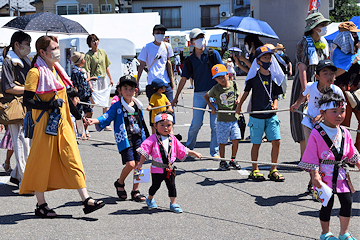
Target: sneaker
234,164
224,166
151,203
175,208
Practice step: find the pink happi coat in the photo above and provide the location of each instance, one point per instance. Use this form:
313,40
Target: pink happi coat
318,149
150,147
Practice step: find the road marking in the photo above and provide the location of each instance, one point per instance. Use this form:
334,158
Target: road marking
4,180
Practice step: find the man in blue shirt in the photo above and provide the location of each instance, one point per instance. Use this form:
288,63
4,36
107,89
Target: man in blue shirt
198,66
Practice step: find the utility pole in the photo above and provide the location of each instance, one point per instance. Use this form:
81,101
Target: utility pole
11,13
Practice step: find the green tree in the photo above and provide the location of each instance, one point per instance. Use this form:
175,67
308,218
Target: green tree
344,10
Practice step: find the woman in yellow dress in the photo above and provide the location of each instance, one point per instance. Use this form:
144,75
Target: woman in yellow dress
54,162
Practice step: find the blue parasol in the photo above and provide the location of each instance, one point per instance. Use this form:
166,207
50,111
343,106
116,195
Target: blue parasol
46,22
234,49
248,25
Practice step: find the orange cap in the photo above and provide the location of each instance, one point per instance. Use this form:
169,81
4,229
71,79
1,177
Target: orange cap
218,70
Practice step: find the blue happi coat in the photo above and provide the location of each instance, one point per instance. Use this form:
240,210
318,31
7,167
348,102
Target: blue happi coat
116,114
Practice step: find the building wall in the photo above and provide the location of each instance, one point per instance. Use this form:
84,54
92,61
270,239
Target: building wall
190,10
50,5
287,19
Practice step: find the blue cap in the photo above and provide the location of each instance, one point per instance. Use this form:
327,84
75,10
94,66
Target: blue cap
261,51
158,83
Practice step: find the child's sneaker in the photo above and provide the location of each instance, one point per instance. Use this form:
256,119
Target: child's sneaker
327,236
175,208
234,164
151,203
224,166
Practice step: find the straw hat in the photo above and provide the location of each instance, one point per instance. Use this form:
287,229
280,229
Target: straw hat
348,26
77,57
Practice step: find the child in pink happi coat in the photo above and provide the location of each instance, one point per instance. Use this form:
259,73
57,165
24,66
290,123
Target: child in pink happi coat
328,150
164,148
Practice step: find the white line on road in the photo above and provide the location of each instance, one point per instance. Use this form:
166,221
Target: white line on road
4,180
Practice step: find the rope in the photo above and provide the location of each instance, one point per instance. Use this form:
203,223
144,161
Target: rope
90,104
350,129
96,140
263,163
226,111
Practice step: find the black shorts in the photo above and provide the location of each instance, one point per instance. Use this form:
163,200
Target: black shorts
130,154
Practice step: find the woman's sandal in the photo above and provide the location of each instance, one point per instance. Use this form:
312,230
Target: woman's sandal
137,197
122,193
8,166
276,177
346,236
327,236
42,211
89,208
256,175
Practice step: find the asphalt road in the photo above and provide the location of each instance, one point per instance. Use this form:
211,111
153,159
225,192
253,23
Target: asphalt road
216,204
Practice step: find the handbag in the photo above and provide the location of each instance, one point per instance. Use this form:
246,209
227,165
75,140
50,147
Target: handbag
12,111
354,98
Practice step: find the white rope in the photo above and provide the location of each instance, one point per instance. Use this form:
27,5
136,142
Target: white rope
90,104
226,111
263,163
302,113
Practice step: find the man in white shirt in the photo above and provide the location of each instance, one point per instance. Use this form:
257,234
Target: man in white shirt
155,55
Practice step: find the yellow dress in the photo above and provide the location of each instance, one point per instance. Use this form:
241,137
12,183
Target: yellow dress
54,162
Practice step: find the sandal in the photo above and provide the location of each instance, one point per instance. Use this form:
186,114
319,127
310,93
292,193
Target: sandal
137,197
276,177
42,211
256,175
175,208
8,166
327,236
122,193
346,236
89,208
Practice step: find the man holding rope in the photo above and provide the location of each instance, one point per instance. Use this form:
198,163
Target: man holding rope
198,66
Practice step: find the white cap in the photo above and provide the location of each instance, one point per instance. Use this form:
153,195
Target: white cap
195,32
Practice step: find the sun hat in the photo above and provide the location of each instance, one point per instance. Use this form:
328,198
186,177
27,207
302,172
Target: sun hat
229,59
313,20
348,26
158,83
218,70
279,46
77,57
195,32
262,50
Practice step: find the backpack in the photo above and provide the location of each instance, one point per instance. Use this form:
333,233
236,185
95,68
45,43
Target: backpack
210,61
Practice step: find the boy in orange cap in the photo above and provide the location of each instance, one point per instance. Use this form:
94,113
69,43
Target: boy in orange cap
227,97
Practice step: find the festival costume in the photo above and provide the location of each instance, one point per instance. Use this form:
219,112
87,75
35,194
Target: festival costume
54,162
116,114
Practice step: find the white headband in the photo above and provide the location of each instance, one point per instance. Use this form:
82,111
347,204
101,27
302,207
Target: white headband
164,116
331,105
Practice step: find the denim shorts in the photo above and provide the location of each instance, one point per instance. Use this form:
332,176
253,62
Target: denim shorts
130,154
269,126
224,130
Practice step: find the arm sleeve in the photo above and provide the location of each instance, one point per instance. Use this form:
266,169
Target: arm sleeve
146,148
7,75
211,92
185,71
310,159
107,117
248,85
218,57
75,79
30,103
353,154
181,150
74,111
170,50
307,89
152,100
87,63
107,61
143,54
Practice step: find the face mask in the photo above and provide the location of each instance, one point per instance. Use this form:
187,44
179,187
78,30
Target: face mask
265,65
199,43
159,37
280,53
55,55
25,51
323,31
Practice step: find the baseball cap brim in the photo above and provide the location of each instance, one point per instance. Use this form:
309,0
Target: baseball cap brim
332,67
219,74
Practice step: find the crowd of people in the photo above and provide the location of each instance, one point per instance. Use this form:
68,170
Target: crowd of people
50,160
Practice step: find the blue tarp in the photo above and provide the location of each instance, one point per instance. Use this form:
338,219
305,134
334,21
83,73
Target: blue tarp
355,20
